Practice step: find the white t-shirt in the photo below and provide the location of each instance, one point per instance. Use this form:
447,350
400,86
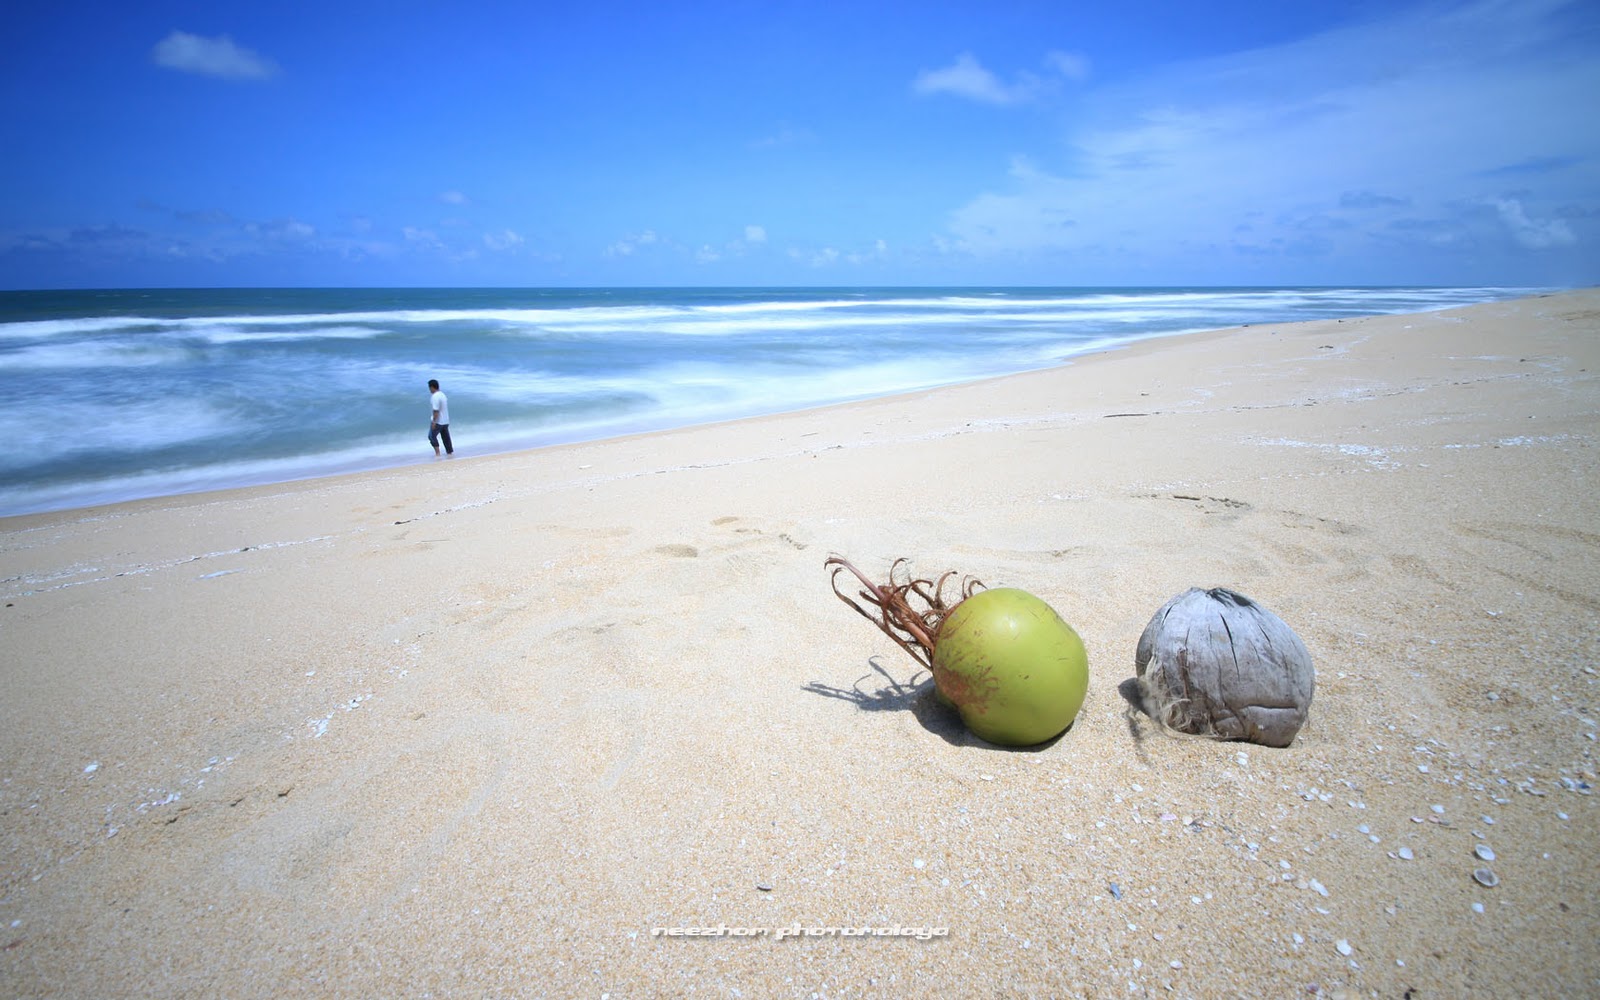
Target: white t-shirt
440,403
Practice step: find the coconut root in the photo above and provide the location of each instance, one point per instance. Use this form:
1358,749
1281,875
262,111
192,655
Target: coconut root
907,609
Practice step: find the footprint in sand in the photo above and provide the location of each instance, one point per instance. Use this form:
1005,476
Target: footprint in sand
784,537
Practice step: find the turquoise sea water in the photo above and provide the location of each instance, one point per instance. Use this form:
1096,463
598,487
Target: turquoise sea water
125,394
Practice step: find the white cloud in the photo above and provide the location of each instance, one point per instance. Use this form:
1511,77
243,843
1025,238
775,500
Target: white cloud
825,257
452,197
965,78
878,251
968,78
626,246
218,57
1530,233
424,238
280,231
707,255
755,234
502,241
1072,65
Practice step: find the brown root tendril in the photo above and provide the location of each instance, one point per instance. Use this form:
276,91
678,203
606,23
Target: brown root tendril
908,609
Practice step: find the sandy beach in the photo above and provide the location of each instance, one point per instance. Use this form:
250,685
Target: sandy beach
513,725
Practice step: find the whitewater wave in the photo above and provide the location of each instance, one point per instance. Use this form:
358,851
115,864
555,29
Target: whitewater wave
689,318
217,395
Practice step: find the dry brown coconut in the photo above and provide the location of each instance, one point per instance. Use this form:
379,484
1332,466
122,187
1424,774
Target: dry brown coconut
1215,663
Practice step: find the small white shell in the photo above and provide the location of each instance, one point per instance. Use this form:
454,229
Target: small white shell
1486,877
1484,852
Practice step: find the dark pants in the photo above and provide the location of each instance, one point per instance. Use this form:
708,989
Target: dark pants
437,431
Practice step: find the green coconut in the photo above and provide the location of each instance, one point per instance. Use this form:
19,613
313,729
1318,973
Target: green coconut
1004,659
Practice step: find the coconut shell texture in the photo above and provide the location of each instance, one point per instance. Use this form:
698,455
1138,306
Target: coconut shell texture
1215,663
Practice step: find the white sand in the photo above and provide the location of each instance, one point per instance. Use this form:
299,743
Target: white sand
478,727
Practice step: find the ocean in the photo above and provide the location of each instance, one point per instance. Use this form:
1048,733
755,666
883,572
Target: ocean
117,395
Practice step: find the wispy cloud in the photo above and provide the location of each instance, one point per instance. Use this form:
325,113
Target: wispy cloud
1323,146
1531,233
219,238
628,245
752,241
1072,65
1370,199
425,239
965,78
968,78
503,241
218,57
282,230
784,135
1533,166
826,257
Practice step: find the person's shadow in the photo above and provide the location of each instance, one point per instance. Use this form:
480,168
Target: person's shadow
916,695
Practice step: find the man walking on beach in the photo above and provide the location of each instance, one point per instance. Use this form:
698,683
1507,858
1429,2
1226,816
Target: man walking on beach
440,427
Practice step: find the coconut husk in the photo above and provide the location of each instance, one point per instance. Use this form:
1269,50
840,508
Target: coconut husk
1215,663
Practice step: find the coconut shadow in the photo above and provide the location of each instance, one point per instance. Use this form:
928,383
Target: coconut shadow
917,697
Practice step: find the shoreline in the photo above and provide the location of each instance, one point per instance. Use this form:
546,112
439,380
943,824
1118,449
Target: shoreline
136,474
481,728
281,487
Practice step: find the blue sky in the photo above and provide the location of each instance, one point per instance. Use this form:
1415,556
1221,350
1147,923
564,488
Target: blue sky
807,143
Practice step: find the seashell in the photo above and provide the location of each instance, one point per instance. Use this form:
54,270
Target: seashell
1215,663
1484,852
1486,877
1406,854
